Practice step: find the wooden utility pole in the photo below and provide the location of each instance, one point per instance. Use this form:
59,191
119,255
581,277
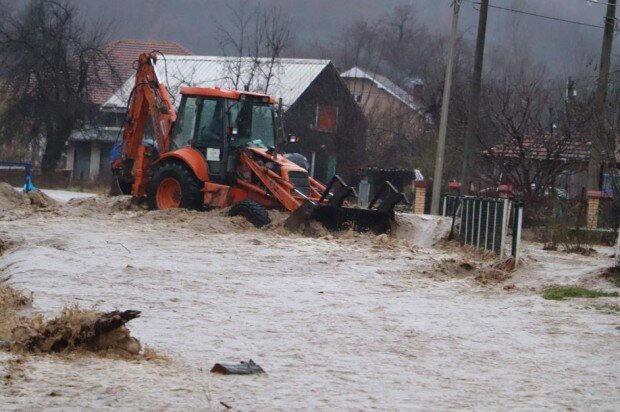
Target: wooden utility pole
443,122
599,141
474,99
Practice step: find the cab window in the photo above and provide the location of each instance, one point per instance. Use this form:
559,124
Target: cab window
254,123
184,128
210,128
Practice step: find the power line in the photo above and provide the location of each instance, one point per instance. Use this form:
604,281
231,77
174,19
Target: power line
543,16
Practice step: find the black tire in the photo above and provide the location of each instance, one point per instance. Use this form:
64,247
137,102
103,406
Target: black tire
253,211
191,195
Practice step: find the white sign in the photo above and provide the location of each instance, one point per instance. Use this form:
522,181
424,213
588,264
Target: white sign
213,155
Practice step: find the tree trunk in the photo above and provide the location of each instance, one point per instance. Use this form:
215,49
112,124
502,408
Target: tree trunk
56,140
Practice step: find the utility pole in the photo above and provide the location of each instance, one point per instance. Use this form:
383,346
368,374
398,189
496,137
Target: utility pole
474,98
598,140
443,122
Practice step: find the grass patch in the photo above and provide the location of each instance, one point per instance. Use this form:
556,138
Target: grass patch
562,292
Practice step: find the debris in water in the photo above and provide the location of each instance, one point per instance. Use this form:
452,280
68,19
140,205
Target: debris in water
76,328
243,368
467,265
73,330
485,274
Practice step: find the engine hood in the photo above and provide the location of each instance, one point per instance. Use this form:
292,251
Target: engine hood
280,160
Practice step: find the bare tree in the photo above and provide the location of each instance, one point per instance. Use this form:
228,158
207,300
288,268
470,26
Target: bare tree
234,39
277,29
535,135
255,38
402,18
49,62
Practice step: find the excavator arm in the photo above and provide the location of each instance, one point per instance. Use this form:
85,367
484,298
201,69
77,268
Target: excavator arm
325,204
151,112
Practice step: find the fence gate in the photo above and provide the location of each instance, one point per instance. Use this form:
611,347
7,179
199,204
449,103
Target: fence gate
483,221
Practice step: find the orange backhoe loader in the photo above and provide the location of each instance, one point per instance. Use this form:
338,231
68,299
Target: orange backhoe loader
220,150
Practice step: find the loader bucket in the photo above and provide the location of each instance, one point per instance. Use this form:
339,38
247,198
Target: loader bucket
377,218
361,220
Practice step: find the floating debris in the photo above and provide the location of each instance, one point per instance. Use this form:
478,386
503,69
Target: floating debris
243,368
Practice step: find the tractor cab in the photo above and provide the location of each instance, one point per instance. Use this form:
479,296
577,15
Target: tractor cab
219,123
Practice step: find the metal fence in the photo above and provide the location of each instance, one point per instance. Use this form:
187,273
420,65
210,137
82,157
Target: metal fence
450,205
484,221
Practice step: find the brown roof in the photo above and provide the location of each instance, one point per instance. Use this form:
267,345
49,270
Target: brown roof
122,54
544,148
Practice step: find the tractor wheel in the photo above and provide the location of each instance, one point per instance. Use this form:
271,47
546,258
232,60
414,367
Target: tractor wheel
253,211
174,186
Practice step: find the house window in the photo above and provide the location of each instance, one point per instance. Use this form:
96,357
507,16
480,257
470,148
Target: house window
326,118
358,98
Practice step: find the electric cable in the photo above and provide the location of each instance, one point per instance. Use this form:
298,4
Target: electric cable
539,15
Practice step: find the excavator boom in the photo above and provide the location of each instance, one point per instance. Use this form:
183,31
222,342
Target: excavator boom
150,108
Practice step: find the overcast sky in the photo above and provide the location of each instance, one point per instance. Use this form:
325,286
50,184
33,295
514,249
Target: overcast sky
564,47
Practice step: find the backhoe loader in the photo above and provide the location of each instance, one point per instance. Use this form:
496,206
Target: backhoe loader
221,150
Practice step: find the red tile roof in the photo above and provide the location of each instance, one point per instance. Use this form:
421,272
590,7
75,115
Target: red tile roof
544,147
122,54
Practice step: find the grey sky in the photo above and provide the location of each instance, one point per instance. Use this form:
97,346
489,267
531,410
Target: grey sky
565,48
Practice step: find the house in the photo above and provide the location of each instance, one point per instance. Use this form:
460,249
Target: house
395,117
544,156
376,93
316,102
87,156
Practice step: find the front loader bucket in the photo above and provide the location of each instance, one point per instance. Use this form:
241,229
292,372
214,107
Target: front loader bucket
361,220
378,217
